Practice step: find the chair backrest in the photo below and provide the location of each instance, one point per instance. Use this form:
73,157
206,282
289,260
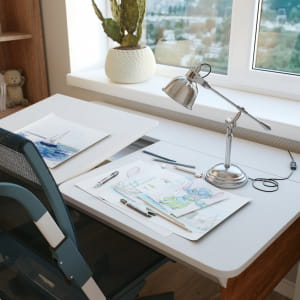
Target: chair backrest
21,161
20,158
119,263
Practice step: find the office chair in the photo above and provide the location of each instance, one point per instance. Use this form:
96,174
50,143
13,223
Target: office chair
51,251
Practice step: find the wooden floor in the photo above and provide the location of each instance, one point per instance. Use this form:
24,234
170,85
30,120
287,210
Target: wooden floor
186,284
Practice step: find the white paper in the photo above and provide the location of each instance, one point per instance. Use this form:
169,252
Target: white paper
199,222
58,139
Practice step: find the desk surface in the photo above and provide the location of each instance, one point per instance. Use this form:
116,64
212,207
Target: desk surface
228,249
124,128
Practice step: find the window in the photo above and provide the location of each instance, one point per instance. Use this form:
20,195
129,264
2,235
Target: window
240,39
252,45
185,33
278,39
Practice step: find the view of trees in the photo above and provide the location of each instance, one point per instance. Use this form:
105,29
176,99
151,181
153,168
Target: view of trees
187,32
278,45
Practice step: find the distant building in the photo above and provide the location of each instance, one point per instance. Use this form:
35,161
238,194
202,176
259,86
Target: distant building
281,16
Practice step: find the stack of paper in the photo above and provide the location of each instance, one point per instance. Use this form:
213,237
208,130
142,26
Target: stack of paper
187,206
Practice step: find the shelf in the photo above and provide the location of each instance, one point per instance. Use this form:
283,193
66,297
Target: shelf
13,36
22,46
10,111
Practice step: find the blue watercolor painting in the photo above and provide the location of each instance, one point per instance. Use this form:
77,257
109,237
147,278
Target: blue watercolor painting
50,150
58,139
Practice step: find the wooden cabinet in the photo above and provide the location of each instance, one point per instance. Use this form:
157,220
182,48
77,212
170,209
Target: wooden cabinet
22,46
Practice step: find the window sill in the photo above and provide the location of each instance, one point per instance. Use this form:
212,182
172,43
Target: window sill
281,114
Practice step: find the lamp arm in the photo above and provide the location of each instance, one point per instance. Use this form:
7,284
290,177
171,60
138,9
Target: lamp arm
230,124
198,79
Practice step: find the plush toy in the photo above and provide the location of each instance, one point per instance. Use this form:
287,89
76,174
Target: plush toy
14,81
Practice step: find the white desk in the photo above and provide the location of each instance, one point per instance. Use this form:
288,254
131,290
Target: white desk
124,128
248,254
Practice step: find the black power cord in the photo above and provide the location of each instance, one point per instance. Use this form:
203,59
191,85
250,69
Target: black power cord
272,184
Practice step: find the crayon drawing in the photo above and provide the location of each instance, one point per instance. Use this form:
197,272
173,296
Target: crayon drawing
169,192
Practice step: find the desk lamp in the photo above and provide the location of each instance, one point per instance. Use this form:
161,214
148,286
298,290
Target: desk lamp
184,90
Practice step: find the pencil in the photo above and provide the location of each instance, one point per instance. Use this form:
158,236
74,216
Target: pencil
174,163
165,216
172,220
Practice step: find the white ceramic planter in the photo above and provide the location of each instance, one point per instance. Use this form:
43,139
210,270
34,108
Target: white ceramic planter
130,65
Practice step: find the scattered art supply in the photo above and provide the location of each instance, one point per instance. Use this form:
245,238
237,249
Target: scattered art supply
177,202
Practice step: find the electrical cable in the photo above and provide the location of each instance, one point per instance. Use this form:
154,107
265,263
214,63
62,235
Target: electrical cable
272,184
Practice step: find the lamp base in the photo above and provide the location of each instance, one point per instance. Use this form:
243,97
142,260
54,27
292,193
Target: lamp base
226,178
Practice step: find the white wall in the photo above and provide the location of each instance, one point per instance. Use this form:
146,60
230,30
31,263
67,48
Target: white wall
57,50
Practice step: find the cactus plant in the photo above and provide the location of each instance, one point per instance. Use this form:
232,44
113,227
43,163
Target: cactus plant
125,26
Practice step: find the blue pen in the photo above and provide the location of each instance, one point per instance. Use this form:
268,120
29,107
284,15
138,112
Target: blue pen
159,156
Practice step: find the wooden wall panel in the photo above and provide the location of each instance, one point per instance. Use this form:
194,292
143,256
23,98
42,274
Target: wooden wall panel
2,46
24,16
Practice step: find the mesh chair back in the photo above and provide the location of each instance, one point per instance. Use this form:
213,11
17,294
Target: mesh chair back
15,164
20,159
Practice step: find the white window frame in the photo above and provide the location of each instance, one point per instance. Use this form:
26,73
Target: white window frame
240,74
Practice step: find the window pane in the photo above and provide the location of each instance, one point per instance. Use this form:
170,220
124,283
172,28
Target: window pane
278,45
188,32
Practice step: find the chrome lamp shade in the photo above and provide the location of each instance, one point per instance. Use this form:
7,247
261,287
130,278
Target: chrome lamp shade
184,90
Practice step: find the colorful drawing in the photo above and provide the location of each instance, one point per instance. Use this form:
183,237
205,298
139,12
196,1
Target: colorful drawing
169,192
181,195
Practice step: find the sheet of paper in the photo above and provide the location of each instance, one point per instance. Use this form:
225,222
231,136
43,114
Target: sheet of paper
58,139
199,221
169,192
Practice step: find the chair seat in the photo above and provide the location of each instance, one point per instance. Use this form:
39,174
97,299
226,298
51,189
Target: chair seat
117,261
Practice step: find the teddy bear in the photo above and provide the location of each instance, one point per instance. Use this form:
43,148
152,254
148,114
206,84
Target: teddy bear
14,81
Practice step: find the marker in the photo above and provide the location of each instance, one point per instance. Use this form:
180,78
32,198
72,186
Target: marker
149,213
106,179
196,172
140,210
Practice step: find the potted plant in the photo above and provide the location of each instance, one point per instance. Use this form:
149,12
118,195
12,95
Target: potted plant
130,62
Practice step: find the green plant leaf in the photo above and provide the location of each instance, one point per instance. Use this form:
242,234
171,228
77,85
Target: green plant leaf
142,8
112,29
97,11
129,15
115,10
129,40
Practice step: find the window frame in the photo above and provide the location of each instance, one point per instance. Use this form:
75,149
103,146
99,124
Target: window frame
246,77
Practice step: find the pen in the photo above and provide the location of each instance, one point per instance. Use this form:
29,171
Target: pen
174,163
159,156
106,179
140,210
